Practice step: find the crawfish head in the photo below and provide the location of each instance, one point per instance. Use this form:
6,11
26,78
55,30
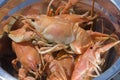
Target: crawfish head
27,55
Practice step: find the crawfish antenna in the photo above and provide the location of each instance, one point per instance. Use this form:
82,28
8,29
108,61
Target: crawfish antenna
48,8
92,9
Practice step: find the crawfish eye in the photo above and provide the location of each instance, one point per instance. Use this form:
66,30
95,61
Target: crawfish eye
38,66
33,20
91,47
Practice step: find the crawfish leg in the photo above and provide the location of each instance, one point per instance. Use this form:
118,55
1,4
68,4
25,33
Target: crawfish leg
57,47
29,78
14,63
44,44
69,5
49,11
58,10
22,73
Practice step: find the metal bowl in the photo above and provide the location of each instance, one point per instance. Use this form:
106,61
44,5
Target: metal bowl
109,11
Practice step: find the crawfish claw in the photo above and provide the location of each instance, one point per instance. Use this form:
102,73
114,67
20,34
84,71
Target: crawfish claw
107,47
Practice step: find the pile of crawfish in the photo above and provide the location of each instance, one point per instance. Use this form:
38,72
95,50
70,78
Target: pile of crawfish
55,45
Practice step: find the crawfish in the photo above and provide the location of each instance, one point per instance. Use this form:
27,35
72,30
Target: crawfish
69,66
28,56
89,62
60,30
55,69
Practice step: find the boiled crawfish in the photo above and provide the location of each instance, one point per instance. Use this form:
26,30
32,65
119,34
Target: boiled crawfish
90,61
72,34
49,34
29,58
57,68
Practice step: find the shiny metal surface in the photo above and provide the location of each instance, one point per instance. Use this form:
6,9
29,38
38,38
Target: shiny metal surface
112,72
5,76
116,3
